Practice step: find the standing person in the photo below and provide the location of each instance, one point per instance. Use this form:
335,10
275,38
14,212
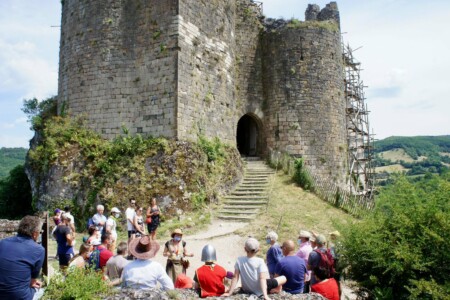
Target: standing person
111,224
293,268
115,264
315,257
274,254
21,260
99,218
304,250
138,222
175,249
64,239
129,214
72,219
324,285
209,278
143,273
254,273
153,212
94,235
57,217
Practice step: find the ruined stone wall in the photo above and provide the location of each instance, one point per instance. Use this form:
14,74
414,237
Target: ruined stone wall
206,78
303,79
117,64
249,85
8,228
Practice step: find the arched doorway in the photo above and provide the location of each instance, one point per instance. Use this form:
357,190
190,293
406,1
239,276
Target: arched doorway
247,136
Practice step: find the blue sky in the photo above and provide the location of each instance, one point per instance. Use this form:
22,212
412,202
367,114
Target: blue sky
404,55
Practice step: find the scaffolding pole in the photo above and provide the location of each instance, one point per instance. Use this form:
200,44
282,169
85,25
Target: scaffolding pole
359,137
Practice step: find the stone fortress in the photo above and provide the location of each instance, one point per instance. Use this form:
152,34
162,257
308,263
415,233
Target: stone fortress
180,68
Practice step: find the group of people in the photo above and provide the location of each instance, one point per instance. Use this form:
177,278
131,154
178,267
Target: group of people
303,269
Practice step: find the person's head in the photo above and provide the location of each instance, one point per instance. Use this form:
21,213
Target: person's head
303,236
115,212
67,209
312,239
30,226
139,210
92,230
288,248
85,250
334,235
57,212
106,238
208,254
177,235
271,237
251,246
100,209
321,241
65,218
122,248
143,248
153,202
132,202
321,273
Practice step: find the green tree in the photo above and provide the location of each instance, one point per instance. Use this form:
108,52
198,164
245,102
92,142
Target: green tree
15,195
402,248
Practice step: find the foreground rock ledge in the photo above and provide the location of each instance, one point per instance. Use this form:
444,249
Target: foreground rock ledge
180,294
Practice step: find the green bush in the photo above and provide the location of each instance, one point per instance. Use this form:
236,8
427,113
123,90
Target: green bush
401,250
79,284
15,195
301,177
213,149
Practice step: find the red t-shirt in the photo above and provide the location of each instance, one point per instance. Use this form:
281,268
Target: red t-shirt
105,255
328,289
210,278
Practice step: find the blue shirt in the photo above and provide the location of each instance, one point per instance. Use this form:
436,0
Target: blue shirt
61,233
294,268
274,255
21,259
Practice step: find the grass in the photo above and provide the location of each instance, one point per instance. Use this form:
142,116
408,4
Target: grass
396,155
391,168
290,209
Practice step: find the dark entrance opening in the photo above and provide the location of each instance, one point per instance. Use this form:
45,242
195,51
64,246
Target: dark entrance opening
247,136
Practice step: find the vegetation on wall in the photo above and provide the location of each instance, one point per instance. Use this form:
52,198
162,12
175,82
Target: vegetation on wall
329,25
96,170
400,251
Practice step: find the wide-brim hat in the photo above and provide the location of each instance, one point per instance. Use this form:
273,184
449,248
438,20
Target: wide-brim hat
143,247
304,234
335,233
115,210
177,231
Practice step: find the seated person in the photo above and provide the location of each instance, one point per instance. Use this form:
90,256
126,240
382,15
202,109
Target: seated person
254,274
209,278
325,286
143,273
80,260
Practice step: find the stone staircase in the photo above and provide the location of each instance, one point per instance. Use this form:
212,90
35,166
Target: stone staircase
244,202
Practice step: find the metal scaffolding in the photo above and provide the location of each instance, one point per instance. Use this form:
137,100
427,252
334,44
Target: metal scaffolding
359,138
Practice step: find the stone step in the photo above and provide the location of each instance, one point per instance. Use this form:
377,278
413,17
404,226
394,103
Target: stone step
248,193
246,202
237,218
239,211
246,198
242,206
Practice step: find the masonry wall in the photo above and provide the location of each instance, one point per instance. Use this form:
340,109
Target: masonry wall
305,113
206,100
117,65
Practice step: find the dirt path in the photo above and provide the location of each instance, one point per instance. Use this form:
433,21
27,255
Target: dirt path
221,235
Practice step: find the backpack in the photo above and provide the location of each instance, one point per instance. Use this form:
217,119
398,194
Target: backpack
94,259
90,222
326,262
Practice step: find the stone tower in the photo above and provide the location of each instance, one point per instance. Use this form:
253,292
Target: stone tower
179,68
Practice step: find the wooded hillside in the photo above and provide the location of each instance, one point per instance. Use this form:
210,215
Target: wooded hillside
10,158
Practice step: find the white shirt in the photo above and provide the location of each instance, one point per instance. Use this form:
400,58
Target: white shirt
111,222
129,214
145,274
249,270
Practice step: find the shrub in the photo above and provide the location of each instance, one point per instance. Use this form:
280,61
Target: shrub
15,195
403,246
79,284
213,149
301,177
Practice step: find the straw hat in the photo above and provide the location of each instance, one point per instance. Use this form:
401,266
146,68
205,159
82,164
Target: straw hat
143,247
304,234
335,233
176,231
